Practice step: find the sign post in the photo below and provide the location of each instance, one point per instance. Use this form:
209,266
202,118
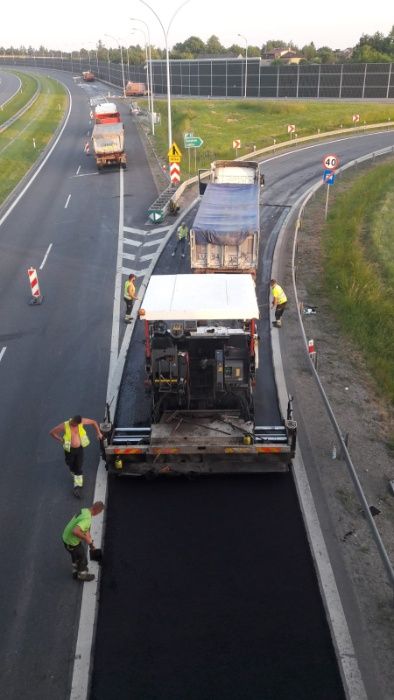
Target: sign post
330,164
236,145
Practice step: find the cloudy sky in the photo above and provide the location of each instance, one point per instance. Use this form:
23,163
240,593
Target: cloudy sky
74,24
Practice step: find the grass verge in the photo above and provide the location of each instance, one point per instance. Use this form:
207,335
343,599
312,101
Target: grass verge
22,142
257,123
359,268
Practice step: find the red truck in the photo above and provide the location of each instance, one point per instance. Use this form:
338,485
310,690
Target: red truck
135,89
88,76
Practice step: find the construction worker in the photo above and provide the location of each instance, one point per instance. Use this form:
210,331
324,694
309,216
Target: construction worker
279,302
76,532
129,296
74,439
182,236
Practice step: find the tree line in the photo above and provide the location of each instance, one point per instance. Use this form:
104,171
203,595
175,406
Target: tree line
371,48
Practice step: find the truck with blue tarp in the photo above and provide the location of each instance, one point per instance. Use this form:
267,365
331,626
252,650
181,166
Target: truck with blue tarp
225,233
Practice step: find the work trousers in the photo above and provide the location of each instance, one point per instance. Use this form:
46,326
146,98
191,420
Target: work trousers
129,306
279,309
182,243
78,556
74,461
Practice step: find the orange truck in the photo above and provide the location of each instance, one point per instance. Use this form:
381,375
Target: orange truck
88,76
135,89
108,136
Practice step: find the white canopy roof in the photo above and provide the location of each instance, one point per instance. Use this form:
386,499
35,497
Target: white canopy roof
200,297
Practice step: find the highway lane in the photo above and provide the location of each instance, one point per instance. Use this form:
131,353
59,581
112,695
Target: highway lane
54,362
9,86
208,588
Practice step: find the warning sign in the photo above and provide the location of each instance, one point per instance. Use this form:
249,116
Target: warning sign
174,154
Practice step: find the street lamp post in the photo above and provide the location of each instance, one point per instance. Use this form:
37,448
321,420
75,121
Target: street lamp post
136,19
121,59
246,62
148,80
167,62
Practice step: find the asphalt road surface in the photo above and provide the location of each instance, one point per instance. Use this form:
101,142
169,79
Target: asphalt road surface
9,85
54,362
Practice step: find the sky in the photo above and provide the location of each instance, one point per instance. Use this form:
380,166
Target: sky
71,24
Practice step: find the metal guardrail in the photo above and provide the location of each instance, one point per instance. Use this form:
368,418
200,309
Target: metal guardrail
302,203
20,111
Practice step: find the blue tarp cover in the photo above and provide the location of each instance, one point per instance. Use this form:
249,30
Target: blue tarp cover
228,214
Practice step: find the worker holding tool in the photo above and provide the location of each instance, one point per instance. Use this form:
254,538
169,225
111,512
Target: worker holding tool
72,435
76,532
279,302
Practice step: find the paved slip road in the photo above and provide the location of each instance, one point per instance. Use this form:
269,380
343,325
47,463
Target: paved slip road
208,588
54,363
9,85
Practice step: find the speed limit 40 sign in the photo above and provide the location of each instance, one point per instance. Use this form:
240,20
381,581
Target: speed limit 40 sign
331,162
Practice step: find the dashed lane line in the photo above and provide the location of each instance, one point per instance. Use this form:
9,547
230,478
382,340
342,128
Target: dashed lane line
2,352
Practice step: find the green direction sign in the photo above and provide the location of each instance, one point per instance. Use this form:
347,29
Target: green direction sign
192,141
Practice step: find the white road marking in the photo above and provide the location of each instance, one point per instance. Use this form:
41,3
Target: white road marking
84,174
143,258
79,168
147,244
130,271
2,351
45,256
68,199
128,229
128,241
128,256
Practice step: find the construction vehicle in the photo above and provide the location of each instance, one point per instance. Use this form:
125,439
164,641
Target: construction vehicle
225,233
201,360
106,113
88,76
108,136
135,89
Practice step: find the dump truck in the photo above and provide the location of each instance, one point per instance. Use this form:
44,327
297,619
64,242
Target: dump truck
108,145
106,113
201,361
225,233
88,76
135,89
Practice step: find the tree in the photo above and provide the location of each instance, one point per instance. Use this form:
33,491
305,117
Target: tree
309,51
213,46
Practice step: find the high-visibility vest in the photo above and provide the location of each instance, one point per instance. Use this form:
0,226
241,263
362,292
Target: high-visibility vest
126,289
67,436
279,294
182,232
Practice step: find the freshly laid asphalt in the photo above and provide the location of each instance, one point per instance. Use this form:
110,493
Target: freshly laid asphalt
198,576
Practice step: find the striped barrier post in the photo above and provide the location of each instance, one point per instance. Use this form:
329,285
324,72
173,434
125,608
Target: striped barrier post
312,352
34,286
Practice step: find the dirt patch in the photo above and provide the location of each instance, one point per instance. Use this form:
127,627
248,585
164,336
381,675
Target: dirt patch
368,420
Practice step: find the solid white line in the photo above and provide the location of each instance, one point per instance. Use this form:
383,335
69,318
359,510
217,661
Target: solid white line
45,256
79,168
33,177
128,229
68,199
128,256
84,174
2,351
151,243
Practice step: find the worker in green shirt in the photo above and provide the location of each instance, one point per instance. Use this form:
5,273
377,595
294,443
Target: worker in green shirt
76,532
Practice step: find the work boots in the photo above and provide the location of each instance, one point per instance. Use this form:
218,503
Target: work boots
85,576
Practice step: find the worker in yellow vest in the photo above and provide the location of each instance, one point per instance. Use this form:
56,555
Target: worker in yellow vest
182,235
129,296
73,437
279,301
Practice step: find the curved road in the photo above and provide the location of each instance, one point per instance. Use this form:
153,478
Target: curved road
9,86
54,362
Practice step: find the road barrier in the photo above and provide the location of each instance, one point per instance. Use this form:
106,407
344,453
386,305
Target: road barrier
34,286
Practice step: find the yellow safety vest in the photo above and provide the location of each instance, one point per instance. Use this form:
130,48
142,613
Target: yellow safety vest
67,436
126,289
279,294
182,232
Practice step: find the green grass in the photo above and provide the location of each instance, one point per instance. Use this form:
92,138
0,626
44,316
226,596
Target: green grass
359,268
22,142
256,122
26,92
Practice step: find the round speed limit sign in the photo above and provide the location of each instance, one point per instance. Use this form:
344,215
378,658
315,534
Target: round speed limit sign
331,162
